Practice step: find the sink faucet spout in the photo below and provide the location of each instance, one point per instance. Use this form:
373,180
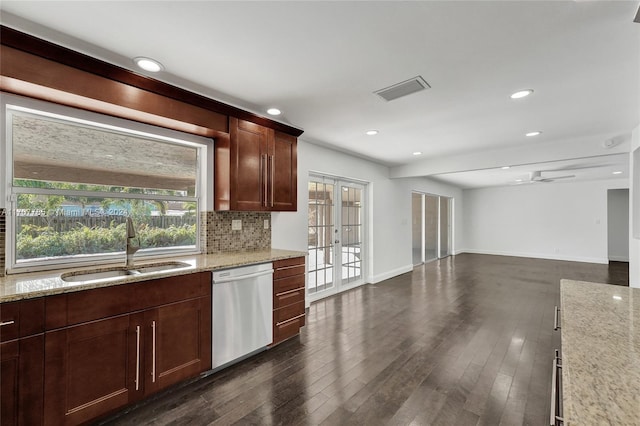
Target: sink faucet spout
131,248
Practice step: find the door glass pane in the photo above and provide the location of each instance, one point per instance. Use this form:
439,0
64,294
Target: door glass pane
416,227
444,226
351,233
431,227
320,236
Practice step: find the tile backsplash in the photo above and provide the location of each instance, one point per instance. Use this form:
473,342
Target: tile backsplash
3,237
217,236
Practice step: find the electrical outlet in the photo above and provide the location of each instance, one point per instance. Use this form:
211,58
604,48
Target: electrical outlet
236,225
266,224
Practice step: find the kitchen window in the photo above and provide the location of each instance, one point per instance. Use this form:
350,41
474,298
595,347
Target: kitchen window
73,182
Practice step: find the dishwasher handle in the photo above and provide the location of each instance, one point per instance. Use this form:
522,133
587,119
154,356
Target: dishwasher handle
232,278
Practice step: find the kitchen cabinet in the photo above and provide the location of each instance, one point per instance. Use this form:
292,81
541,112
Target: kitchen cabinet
288,298
119,344
21,362
255,169
175,346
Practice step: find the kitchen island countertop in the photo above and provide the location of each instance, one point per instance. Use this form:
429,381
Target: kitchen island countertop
37,284
600,354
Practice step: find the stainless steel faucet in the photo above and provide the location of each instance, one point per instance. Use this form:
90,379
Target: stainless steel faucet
131,235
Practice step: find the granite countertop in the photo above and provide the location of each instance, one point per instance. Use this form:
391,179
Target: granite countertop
600,354
36,284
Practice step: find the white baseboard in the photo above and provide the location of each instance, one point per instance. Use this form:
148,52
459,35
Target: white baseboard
390,274
548,256
619,258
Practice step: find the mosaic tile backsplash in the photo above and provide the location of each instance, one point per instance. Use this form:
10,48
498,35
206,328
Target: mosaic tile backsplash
3,235
217,236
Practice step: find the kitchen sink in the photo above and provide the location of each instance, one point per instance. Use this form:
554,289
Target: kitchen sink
119,272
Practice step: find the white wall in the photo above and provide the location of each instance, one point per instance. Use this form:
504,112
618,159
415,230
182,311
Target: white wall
566,221
634,212
618,224
389,209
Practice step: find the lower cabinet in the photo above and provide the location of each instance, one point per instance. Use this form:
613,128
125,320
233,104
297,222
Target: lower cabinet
174,345
96,367
21,372
288,298
91,369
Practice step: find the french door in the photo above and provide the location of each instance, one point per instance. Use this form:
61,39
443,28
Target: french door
336,235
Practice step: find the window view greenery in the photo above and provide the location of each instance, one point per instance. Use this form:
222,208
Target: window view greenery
75,185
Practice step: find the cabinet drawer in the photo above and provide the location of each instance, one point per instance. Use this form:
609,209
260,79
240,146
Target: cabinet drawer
288,312
288,272
287,329
163,291
284,263
87,305
21,318
289,297
287,284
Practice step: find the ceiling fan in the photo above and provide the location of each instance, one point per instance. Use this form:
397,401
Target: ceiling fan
536,177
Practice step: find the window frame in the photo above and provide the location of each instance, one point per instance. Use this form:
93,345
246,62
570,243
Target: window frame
17,105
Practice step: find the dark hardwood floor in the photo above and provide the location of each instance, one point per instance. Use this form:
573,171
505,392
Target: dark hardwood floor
467,340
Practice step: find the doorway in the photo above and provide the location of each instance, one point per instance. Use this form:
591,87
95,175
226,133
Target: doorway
618,225
431,227
336,234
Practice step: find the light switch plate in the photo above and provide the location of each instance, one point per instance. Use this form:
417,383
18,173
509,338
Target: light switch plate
266,224
236,225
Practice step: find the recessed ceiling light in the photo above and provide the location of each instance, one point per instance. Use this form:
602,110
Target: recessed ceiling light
417,153
617,172
616,297
530,134
274,111
521,94
148,64
518,180
372,132
108,156
505,167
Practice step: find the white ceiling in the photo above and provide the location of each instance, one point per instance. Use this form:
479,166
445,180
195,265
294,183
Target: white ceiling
319,62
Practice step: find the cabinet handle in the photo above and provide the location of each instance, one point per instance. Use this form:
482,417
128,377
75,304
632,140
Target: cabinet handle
554,416
289,291
271,174
263,159
3,323
153,352
556,319
278,324
137,357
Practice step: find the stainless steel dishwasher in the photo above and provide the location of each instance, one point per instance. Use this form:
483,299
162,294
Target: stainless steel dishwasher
242,312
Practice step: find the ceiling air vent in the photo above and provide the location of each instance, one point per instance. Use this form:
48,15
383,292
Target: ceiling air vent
405,88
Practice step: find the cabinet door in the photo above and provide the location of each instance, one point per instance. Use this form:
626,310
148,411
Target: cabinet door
283,166
21,373
91,369
249,158
178,342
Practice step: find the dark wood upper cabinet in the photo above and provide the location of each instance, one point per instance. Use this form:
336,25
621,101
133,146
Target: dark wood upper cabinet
285,172
255,169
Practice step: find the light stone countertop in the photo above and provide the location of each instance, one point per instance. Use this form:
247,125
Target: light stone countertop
600,354
36,284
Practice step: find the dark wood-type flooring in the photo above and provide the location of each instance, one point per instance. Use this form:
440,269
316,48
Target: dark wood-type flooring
467,340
